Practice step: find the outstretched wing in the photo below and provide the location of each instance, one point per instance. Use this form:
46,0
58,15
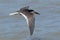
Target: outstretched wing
32,11
31,21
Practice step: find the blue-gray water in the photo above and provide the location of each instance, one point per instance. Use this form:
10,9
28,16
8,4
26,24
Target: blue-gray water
47,25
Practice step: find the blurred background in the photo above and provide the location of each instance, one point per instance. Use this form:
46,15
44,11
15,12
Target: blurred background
47,24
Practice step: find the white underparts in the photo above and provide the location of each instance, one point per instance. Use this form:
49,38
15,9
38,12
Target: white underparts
24,17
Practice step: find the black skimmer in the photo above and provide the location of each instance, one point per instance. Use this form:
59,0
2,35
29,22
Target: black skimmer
29,16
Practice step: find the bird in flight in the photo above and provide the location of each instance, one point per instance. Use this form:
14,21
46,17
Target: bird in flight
29,15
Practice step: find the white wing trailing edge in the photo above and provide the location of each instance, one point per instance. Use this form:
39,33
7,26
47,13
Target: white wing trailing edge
15,13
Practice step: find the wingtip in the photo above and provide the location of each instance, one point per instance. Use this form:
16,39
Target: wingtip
38,13
13,13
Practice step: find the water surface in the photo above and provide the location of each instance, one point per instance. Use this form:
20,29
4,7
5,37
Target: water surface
47,24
